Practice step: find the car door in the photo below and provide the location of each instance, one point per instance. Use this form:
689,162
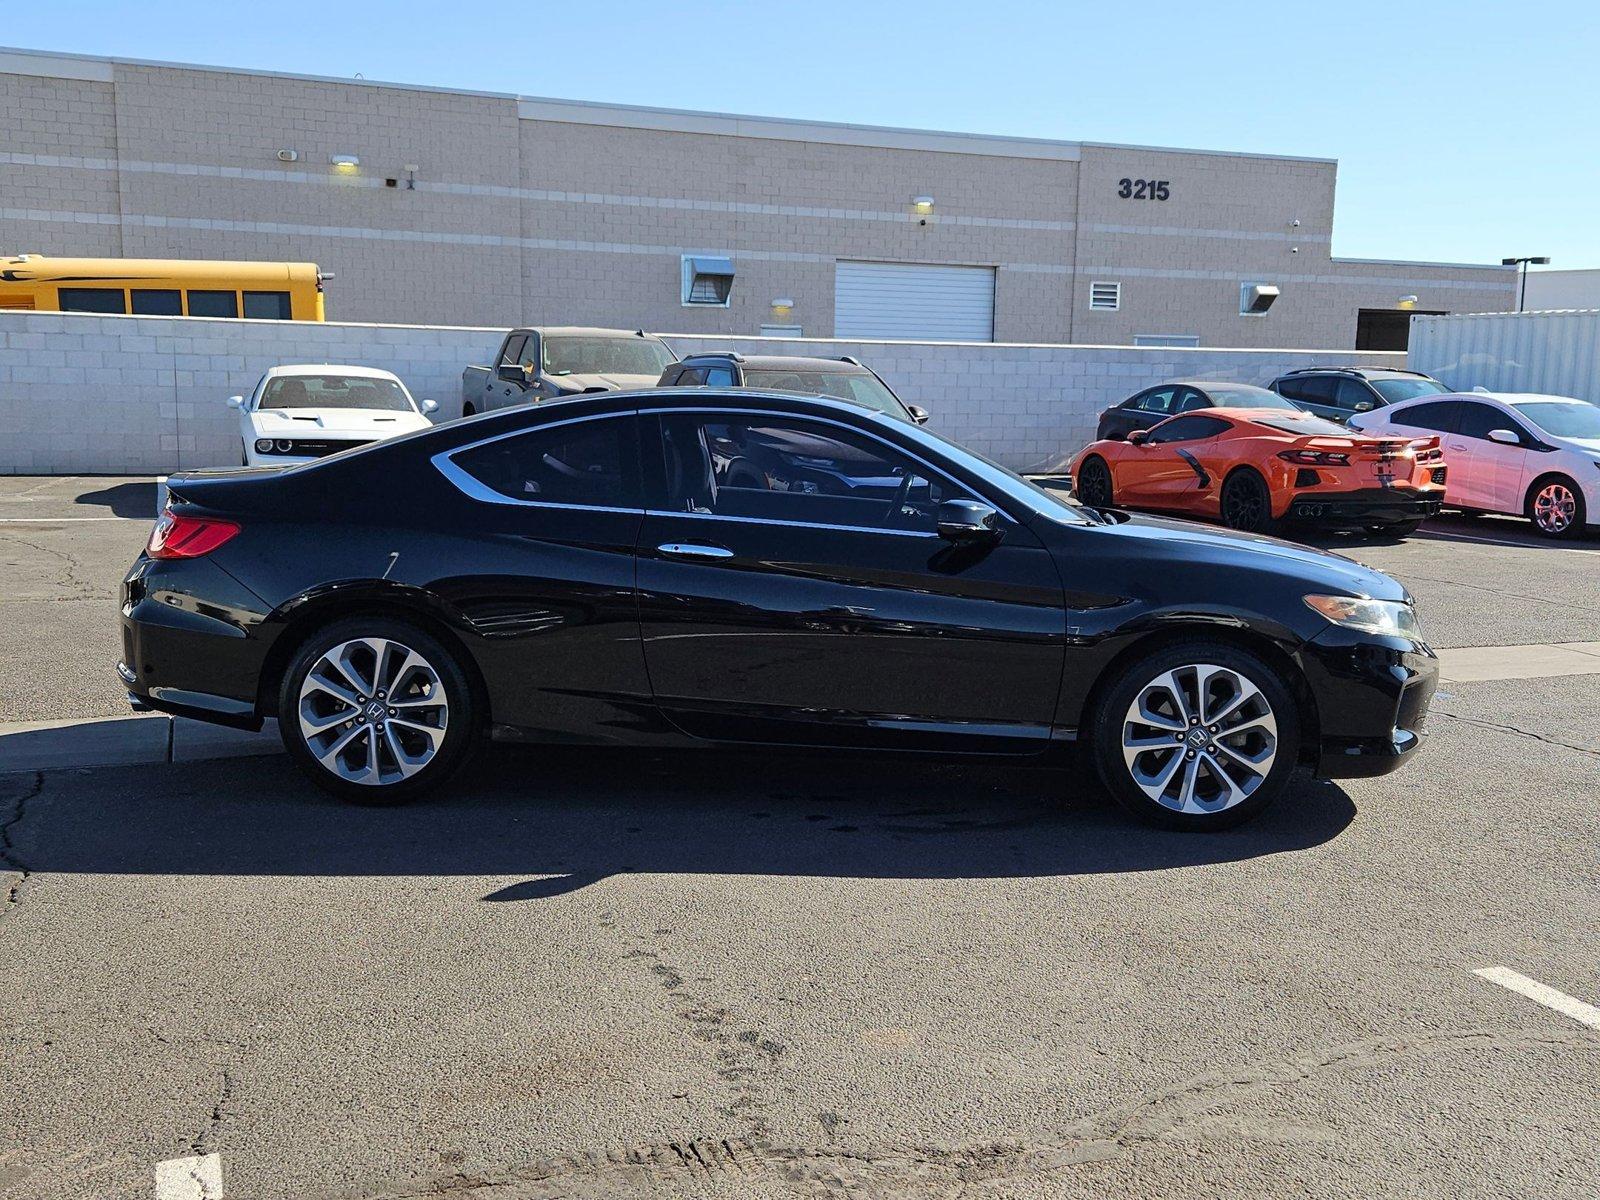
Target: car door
1351,396
1498,468
1315,394
554,511
1162,470
1441,417
793,588
504,385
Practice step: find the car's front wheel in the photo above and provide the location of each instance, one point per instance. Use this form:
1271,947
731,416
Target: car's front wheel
1093,484
1200,735
1555,506
375,710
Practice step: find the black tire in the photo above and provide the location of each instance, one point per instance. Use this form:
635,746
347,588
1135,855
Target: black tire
1247,502
468,411
1546,517
1093,486
457,715
1212,811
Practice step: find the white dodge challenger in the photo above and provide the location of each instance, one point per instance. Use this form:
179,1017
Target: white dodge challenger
308,411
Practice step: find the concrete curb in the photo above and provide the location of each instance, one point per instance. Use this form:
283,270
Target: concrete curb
124,741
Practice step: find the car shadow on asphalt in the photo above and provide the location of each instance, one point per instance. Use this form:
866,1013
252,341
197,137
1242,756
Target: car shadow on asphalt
123,499
552,821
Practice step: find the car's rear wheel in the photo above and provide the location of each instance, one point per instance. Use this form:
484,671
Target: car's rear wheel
1093,484
1555,506
1247,503
1200,735
375,710
468,411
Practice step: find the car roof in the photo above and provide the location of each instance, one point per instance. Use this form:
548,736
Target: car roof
1513,397
1362,372
330,369
788,362
582,330
1202,384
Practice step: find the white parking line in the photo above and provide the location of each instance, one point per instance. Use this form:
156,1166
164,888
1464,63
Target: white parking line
1436,535
1539,993
58,520
195,1178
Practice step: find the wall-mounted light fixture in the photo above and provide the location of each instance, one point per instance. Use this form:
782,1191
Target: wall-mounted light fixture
344,162
782,308
922,208
288,156
1406,302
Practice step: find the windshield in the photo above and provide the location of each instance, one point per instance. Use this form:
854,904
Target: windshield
1245,395
1563,418
856,386
335,391
1395,390
602,355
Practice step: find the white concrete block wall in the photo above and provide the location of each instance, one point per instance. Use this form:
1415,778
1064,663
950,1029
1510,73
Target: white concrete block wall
147,395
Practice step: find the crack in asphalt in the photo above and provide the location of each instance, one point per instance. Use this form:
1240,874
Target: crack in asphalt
204,1142
8,848
1170,1114
70,579
1503,728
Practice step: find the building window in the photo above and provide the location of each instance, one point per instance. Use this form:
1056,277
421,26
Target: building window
1105,297
1166,339
707,280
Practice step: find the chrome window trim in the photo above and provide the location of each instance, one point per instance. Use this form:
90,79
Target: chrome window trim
703,516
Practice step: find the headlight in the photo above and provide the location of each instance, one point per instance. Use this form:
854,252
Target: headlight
1390,618
263,445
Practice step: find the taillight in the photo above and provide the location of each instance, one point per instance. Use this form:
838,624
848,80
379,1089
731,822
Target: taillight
178,536
1315,458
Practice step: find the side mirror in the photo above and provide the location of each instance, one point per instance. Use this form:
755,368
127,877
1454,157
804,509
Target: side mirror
918,413
967,521
1139,437
430,406
1505,437
1364,406
512,373
236,402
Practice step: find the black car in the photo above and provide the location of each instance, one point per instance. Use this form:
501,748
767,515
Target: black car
1147,409
1338,393
843,378
601,570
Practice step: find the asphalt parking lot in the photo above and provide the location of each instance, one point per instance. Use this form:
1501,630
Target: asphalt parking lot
581,974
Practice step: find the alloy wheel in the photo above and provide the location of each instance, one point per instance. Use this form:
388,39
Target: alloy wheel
1555,508
1199,738
1243,504
1094,486
373,711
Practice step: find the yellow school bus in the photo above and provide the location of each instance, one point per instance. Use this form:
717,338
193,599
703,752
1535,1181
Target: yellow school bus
162,287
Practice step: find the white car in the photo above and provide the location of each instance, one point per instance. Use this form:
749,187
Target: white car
1509,452
305,412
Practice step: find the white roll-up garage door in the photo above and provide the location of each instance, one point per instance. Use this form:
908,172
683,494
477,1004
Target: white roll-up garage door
913,300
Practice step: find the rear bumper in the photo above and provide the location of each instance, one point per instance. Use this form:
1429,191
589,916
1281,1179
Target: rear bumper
1374,506
1372,699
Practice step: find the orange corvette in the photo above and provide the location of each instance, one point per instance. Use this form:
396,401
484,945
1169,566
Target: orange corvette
1254,467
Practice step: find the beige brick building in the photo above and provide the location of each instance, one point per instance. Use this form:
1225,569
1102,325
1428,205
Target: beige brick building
484,209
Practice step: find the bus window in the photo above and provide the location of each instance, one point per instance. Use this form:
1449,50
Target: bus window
213,304
267,306
157,302
93,300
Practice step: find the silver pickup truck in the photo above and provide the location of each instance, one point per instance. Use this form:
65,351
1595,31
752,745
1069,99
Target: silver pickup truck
543,364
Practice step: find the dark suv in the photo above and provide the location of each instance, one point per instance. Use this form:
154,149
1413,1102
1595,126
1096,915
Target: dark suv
1338,393
842,378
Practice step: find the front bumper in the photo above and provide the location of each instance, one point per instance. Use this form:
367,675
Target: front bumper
1372,698
1359,509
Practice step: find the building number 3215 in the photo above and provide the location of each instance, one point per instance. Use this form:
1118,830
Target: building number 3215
1143,189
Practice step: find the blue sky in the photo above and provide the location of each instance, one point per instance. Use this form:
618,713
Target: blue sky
1465,131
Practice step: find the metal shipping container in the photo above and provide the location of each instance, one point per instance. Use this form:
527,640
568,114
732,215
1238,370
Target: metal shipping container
1557,353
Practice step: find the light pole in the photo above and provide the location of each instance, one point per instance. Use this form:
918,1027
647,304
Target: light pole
1522,268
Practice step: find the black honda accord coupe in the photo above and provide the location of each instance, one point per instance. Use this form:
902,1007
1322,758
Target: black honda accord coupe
701,567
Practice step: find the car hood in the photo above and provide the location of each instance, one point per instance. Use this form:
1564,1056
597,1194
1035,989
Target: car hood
1192,541
607,383
1583,445
315,422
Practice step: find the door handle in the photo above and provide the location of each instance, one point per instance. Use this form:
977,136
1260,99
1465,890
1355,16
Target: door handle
692,550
